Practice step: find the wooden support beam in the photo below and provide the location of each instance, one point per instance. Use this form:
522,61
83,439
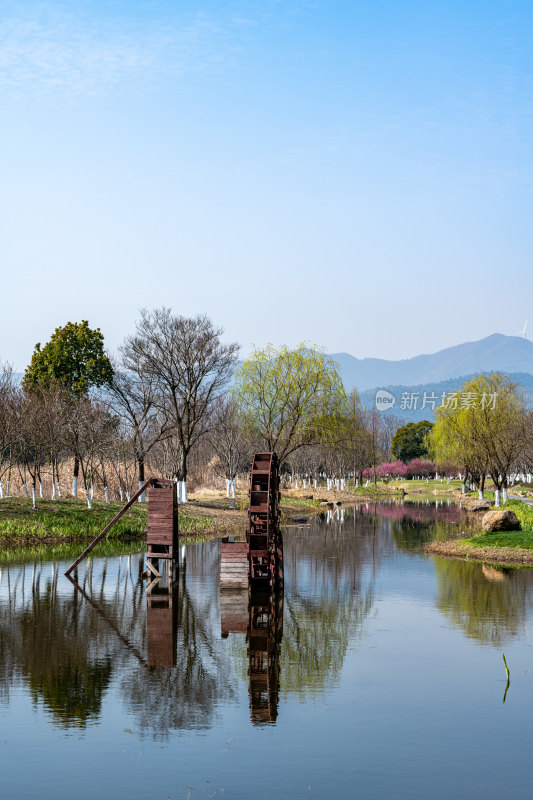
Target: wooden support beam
108,527
152,569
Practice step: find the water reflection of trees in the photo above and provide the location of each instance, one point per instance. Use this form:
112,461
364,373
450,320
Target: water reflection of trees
329,578
55,645
67,649
186,696
490,605
414,524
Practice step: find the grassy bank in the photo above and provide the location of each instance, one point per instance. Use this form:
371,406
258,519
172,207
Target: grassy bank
500,547
69,520
408,487
66,521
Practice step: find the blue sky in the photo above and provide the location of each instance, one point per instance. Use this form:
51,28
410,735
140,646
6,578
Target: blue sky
355,174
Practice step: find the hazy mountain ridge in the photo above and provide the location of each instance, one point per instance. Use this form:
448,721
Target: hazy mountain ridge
495,353
524,379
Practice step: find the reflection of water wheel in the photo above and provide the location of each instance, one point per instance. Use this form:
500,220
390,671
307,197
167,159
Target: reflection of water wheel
279,561
264,634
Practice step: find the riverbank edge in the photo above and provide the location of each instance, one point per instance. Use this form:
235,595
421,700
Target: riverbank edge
471,548
458,549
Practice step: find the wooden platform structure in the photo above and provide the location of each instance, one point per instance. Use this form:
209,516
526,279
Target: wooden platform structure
234,565
162,532
162,539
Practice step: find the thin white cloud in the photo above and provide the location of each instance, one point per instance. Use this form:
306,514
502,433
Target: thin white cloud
47,48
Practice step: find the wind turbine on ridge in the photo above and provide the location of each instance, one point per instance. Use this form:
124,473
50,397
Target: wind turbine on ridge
522,333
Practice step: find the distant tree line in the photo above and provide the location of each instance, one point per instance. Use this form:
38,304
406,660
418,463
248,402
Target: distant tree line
176,403
175,399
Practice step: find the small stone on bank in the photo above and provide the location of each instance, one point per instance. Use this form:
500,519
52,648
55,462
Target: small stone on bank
500,521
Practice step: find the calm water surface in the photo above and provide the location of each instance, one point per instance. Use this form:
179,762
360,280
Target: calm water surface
378,673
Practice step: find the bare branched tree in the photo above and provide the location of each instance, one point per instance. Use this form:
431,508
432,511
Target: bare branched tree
134,399
9,399
190,368
229,442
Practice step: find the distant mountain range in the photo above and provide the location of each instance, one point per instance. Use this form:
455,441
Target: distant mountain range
437,373
496,353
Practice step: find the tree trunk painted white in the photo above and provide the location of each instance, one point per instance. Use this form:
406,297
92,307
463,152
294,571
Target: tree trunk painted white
228,484
106,494
184,492
92,491
41,495
25,489
1,491
497,501
357,483
74,487
463,488
342,514
504,494
89,499
33,497
142,497
121,493
7,489
59,490
480,494
54,491
315,483
233,489
128,497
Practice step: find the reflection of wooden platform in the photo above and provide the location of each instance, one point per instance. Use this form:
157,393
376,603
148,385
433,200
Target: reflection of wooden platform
233,611
161,619
233,565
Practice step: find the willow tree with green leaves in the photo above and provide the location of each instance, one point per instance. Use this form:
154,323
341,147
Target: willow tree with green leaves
490,429
451,441
289,398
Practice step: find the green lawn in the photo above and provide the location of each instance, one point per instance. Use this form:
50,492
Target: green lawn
70,520
512,539
522,538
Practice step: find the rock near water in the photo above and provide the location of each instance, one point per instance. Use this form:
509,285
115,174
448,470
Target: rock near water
476,506
500,521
